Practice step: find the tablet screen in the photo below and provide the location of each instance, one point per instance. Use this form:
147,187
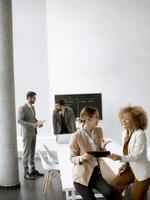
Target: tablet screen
99,153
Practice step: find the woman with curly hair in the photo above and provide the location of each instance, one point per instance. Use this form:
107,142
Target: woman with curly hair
136,168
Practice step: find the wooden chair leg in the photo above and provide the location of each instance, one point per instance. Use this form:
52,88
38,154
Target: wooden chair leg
49,177
44,185
56,174
46,182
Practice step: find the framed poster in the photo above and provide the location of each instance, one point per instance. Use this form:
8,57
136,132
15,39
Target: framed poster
78,101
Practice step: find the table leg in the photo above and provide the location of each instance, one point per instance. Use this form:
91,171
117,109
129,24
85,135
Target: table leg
70,195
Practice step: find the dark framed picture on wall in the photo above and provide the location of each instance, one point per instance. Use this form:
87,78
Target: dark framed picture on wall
78,101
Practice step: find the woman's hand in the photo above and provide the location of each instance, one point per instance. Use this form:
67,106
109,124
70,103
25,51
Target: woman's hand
114,157
122,169
86,156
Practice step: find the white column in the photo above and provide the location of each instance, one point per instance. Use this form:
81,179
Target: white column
9,175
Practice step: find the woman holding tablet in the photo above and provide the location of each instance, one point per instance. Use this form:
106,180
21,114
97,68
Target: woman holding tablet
86,169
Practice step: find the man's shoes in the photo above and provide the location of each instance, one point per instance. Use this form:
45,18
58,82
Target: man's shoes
29,176
36,173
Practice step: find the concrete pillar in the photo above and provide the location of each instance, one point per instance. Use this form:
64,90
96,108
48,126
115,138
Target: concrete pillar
9,176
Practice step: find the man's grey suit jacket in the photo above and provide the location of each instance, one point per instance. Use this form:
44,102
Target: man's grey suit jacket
25,119
69,120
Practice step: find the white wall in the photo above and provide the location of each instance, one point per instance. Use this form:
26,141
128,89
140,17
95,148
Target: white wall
30,56
101,46
93,46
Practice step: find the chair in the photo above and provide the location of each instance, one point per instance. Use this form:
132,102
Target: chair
51,168
51,155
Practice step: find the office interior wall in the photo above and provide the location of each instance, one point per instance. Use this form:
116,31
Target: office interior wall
101,46
30,57
93,46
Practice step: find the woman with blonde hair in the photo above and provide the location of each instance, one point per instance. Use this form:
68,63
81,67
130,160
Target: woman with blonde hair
136,167
86,170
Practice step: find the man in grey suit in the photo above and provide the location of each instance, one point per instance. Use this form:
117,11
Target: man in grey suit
27,120
63,118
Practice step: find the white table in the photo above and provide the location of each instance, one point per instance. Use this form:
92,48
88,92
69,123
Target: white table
113,147
66,171
66,168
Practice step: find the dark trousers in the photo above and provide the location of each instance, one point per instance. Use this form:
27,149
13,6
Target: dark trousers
96,182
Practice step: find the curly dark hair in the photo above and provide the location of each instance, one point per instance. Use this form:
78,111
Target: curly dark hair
138,115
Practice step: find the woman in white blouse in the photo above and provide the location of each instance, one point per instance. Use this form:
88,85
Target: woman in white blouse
136,167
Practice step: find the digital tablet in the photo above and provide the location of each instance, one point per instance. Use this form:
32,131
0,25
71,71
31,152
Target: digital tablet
99,153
